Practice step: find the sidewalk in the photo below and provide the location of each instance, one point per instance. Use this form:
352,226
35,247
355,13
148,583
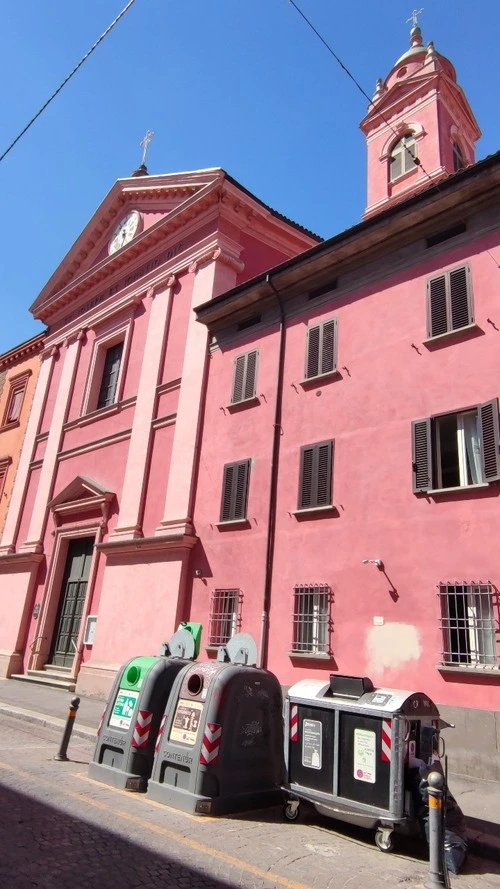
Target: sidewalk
479,800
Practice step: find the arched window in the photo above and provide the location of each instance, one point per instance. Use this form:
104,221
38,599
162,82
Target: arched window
402,157
458,158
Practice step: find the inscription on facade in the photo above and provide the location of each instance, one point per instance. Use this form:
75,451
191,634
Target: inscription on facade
125,281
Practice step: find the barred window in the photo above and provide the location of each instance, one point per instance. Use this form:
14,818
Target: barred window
225,616
311,619
469,624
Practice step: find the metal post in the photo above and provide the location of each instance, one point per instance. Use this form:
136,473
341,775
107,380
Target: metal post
437,873
61,754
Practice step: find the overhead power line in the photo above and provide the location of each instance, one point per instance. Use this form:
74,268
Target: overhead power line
358,85
66,79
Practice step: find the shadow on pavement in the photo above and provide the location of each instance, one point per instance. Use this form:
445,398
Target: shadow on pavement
48,848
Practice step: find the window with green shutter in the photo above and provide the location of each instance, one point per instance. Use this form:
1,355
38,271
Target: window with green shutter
315,481
235,491
321,353
244,377
449,301
456,450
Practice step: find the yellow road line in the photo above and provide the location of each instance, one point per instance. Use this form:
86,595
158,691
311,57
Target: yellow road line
140,797
178,838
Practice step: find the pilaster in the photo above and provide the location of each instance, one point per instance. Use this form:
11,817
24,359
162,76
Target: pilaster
213,274
129,522
47,474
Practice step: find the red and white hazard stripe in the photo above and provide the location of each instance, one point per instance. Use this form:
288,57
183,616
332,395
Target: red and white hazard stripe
294,723
142,728
160,732
385,754
209,753
99,727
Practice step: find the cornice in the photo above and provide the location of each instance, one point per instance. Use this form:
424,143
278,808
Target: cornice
182,542
162,232
22,351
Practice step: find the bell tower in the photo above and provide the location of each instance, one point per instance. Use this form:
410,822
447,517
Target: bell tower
419,128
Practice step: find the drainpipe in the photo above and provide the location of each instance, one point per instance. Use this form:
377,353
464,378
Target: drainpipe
271,521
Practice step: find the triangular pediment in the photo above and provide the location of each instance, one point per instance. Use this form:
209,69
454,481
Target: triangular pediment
79,490
154,198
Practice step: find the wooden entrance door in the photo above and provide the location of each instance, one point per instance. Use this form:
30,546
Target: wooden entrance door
73,592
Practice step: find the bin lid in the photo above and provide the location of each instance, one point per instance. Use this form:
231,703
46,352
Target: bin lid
383,701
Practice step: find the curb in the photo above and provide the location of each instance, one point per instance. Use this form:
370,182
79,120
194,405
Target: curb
84,732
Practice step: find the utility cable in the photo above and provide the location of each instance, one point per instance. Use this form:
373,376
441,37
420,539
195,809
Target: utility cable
416,160
66,79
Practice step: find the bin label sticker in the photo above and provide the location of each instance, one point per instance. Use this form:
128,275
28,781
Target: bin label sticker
364,755
123,710
186,721
312,740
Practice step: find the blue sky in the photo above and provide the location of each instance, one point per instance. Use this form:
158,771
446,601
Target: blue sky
241,85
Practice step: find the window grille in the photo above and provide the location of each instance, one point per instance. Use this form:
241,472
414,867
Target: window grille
244,377
311,619
225,616
109,382
469,624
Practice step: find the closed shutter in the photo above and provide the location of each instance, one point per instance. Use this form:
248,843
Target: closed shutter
449,301
239,373
328,346
436,298
245,372
234,491
250,375
421,455
315,481
321,355
396,165
460,298
490,441
312,359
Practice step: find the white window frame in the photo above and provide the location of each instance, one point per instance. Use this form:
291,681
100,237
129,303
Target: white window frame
462,449
103,342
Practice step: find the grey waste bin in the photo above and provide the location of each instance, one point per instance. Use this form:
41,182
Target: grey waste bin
125,746
349,748
221,748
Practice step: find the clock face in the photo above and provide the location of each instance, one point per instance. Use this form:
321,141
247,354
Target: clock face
125,230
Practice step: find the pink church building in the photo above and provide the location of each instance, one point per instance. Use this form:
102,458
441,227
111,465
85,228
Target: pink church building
240,424
95,553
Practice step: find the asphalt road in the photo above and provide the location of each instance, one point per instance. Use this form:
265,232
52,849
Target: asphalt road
60,830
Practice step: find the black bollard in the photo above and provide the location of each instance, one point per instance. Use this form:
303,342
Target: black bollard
61,754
